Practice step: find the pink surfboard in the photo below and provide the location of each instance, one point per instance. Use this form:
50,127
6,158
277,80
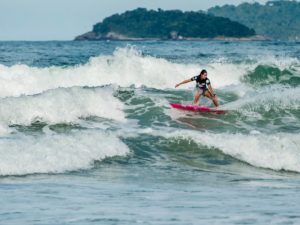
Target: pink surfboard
197,108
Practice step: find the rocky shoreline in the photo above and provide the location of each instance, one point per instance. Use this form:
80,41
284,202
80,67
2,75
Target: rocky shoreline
112,36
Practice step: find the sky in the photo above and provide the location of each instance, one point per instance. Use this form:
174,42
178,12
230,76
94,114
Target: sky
65,19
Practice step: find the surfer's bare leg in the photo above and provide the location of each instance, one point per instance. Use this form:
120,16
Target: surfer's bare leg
213,98
197,96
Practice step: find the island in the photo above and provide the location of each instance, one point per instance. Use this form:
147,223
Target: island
143,24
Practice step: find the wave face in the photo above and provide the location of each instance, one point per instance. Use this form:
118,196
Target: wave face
59,115
268,75
277,152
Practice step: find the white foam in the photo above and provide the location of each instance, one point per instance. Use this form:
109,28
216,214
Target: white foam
224,74
57,153
5,130
279,151
279,61
63,105
273,97
125,67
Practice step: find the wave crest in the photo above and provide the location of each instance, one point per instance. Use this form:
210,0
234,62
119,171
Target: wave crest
62,105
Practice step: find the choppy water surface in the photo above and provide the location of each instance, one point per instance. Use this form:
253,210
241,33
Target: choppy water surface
87,135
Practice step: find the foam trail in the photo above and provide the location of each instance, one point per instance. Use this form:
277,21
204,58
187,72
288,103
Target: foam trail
61,106
57,153
278,151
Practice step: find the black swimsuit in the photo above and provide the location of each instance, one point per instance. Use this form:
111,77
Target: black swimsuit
201,84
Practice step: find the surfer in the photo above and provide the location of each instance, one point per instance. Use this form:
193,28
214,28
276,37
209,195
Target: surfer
203,87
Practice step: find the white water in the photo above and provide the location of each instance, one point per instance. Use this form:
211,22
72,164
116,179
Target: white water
60,95
57,153
126,67
61,106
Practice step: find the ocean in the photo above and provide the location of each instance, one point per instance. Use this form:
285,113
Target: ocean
87,135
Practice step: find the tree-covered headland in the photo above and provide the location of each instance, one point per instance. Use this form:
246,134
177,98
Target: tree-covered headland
170,24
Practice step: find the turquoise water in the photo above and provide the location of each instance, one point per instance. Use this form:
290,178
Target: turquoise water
87,135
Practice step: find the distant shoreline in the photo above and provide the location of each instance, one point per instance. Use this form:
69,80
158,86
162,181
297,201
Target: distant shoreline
262,38
183,39
112,36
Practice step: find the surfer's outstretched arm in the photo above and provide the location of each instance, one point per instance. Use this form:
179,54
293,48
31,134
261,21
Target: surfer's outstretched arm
183,82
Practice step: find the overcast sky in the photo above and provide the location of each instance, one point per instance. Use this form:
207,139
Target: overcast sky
65,19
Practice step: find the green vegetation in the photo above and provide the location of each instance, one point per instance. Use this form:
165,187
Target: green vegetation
276,19
171,24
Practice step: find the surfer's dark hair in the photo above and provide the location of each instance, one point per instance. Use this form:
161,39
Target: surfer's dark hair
203,72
